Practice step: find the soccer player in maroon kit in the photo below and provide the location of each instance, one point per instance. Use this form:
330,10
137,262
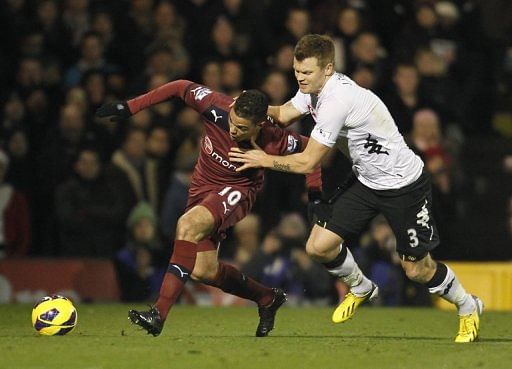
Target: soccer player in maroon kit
218,195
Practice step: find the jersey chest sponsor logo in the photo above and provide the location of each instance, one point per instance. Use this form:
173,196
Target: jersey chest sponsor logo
208,149
200,92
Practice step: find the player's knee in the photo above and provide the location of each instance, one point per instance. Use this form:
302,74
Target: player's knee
417,271
187,230
205,272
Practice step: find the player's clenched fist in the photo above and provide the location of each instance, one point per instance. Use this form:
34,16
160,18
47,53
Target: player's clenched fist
117,110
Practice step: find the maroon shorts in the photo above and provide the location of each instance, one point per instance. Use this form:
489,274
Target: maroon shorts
228,205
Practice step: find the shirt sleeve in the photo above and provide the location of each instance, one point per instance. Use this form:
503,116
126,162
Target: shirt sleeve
196,96
300,102
200,98
330,119
158,95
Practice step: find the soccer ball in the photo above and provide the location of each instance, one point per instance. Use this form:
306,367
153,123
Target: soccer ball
54,315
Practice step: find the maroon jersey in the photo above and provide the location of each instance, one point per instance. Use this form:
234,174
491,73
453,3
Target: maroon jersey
213,166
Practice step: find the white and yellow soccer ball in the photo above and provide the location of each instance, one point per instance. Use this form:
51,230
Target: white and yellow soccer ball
54,315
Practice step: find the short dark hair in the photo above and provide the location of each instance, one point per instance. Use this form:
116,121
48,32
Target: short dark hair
315,46
252,105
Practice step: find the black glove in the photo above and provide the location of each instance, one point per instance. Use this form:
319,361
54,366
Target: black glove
319,210
118,110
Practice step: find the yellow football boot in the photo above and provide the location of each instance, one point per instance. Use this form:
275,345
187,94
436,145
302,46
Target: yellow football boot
469,325
348,307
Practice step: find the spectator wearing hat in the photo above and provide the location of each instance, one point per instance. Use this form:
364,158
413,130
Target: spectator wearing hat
139,274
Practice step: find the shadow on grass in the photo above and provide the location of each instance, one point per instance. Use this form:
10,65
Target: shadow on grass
367,337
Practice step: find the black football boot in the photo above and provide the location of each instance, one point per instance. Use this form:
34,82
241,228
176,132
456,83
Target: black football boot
268,313
149,320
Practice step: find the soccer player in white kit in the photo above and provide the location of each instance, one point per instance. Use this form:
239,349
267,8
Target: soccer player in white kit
390,180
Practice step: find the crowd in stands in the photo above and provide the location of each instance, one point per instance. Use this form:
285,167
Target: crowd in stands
74,185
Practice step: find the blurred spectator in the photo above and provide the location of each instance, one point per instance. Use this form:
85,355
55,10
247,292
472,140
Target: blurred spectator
222,44
15,230
14,113
365,77
31,91
60,148
297,24
232,77
175,200
168,24
419,31
366,52
137,174
94,84
55,34
136,29
90,210
211,75
77,97
405,97
32,44
348,26
437,84
275,85
282,61
159,60
427,140
21,167
76,18
158,149
139,274
91,57
271,265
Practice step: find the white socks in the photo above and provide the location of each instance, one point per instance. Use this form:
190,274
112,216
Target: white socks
350,273
451,290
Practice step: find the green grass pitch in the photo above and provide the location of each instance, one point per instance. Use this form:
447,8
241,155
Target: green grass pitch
202,337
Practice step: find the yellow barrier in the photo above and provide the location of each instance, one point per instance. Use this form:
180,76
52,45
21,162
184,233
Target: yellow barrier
491,281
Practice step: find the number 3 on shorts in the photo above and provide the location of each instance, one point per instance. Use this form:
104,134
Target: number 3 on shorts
233,197
413,237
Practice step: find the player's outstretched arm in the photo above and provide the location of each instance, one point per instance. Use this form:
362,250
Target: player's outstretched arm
284,115
303,162
119,110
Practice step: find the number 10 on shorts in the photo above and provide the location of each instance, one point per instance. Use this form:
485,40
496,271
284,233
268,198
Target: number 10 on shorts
232,197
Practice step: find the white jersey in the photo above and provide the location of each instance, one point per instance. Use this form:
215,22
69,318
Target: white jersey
380,157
